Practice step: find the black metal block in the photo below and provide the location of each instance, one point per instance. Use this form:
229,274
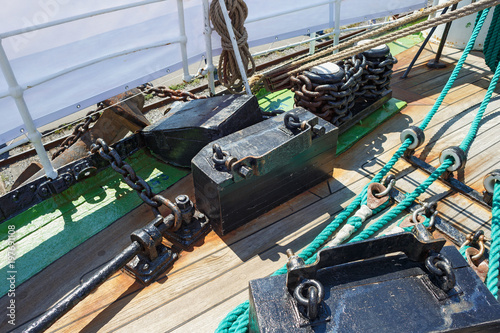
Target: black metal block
189,127
146,270
266,165
382,294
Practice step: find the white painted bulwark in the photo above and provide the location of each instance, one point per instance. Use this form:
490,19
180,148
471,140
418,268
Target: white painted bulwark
66,61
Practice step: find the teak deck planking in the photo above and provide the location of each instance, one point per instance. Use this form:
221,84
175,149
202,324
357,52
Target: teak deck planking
207,282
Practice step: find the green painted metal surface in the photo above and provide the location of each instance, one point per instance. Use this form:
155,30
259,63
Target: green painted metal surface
365,126
52,228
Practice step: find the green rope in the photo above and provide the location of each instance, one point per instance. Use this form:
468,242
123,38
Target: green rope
492,279
491,47
467,142
405,203
456,70
237,319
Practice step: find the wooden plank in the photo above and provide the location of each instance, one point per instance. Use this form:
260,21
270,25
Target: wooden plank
120,239
209,281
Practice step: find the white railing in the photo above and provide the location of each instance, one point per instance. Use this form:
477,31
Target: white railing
269,28
16,91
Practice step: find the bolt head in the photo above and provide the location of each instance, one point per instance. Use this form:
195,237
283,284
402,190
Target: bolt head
182,201
246,172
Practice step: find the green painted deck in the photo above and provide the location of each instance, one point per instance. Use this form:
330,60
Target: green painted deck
52,228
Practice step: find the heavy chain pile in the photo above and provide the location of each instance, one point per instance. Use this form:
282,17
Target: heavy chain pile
229,74
377,73
331,90
79,130
279,78
170,94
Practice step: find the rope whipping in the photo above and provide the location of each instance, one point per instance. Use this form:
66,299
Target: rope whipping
229,74
237,320
492,280
450,16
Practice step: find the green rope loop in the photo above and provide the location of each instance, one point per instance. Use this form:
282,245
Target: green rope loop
493,270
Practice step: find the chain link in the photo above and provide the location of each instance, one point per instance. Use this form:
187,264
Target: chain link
135,182
79,130
172,95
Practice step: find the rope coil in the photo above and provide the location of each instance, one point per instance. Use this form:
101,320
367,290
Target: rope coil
229,74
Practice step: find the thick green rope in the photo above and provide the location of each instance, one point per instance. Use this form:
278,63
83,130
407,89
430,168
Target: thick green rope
493,270
467,142
491,47
458,67
237,319
368,232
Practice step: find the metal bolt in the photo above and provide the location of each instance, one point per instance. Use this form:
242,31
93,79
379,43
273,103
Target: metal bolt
67,179
44,191
182,201
319,130
146,266
245,172
15,197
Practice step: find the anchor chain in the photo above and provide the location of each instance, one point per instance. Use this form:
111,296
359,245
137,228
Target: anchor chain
135,182
79,130
170,94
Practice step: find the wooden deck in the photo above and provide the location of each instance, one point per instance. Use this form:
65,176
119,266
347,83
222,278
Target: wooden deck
206,283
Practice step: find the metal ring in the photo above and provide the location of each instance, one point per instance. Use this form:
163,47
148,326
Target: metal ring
175,210
490,179
414,217
416,134
219,156
297,293
430,263
447,280
388,189
291,121
458,156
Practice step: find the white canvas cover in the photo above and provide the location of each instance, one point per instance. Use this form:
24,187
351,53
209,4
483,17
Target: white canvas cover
100,56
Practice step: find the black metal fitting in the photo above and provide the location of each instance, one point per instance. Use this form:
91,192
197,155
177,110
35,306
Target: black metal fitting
194,225
457,154
186,206
416,134
84,169
440,266
294,261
